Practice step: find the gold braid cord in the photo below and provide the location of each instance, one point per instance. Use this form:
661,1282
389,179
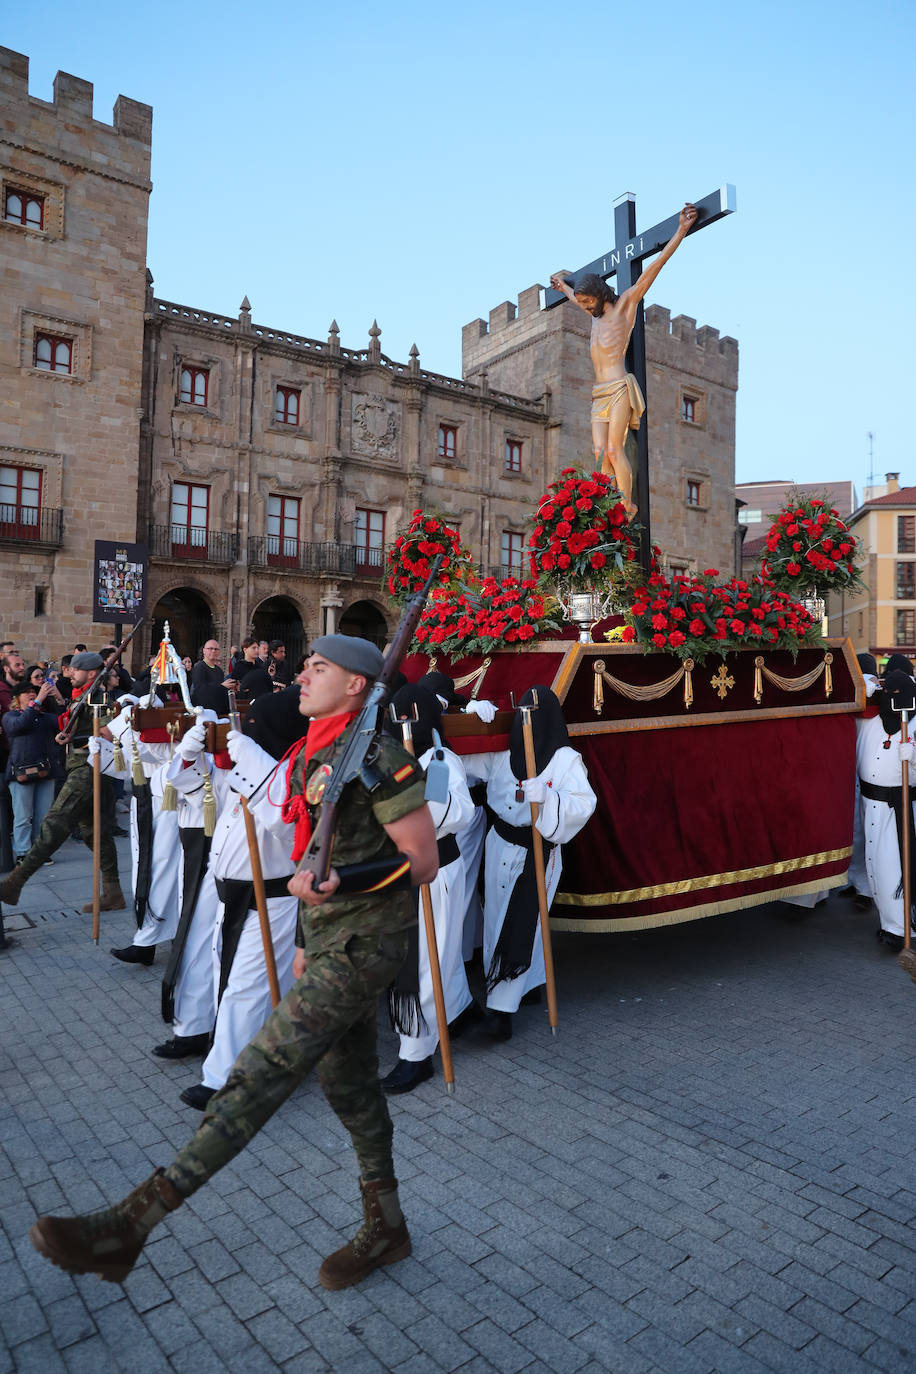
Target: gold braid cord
792,684
476,678
651,692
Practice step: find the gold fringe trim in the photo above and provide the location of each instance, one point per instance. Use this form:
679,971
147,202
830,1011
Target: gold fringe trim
117,756
792,684
651,692
684,885
693,913
476,678
169,797
137,775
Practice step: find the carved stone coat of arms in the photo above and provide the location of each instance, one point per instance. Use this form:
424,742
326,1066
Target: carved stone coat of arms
375,425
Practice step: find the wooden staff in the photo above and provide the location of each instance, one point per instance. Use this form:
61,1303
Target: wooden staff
257,878
96,827
432,947
905,853
543,905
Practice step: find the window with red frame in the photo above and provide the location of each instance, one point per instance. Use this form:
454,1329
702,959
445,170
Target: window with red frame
23,207
190,520
194,385
906,533
370,540
693,492
448,441
20,503
513,455
286,406
283,531
689,409
511,548
54,353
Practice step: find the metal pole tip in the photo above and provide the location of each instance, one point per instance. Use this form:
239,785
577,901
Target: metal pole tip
449,1088
554,1030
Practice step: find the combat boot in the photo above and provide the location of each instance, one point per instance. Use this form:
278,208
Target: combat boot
11,885
107,1243
382,1239
112,897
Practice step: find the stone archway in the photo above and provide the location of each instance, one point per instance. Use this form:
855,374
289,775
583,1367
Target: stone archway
278,618
365,619
190,621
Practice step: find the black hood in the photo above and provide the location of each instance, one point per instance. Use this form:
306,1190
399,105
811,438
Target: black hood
548,728
429,715
274,721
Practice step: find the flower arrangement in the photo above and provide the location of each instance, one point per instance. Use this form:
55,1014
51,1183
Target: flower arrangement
809,546
694,616
411,556
482,616
581,531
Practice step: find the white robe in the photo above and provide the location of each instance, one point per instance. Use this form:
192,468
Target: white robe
448,895
881,766
163,907
569,803
471,839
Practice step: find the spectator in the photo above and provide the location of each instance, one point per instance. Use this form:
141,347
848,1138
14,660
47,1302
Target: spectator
79,649
281,669
31,730
7,646
63,684
263,653
12,671
125,681
244,662
186,663
207,671
36,676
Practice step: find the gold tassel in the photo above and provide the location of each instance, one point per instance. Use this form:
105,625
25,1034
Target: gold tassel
688,683
758,679
828,675
209,808
169,798
137,775
118,757
598,698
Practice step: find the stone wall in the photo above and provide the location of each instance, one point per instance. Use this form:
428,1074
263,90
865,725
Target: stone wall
79,277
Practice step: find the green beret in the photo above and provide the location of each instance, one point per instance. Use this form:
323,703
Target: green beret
350,652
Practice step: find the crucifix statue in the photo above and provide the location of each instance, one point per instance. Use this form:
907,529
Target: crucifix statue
618,345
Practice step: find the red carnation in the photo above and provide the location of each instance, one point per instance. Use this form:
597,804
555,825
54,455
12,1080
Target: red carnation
659,641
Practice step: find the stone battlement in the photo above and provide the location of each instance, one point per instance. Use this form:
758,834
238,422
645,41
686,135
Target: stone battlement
66,123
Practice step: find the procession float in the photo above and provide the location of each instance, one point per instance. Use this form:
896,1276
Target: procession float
716,721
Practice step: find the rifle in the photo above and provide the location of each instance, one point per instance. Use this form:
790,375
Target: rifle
359,741
67,734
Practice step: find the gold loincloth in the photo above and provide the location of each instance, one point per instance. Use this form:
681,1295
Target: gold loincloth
607,396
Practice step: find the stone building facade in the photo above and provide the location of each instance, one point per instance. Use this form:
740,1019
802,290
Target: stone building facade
267,471
692,382
74,195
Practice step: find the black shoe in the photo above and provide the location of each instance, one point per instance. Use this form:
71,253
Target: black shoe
886,937
498,1025
136,954
472,1015
532,998
119,831
862,902
180,1046
406,1075
197,1096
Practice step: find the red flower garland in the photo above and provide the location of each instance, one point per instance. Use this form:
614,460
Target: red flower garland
581,529
480,618
411,556
808,545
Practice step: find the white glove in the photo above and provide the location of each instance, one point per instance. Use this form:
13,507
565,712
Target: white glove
235,743
484,709
146,701
95,746
905,752
193,742
127,701
872,685
534,789
252,764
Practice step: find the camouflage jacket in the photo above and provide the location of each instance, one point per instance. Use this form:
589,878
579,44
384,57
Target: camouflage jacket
360,836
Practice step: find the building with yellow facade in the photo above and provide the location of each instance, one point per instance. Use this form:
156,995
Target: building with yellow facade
881,618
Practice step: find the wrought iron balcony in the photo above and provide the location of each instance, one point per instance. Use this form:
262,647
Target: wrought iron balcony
301,556
42,526
193,545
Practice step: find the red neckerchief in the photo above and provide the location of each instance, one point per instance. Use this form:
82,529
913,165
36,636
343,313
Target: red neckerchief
294,810
64,720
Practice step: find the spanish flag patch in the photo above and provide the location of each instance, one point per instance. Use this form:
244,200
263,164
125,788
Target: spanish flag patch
404,772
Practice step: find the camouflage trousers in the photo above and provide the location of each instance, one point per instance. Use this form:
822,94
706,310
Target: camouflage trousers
72,807
326,1021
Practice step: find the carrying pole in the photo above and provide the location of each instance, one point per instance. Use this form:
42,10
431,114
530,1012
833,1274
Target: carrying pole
96,827
257,879
543,905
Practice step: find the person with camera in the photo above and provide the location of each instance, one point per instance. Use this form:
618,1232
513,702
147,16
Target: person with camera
35,760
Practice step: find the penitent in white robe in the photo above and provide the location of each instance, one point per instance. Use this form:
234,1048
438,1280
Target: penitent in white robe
881,766
569,804
448,894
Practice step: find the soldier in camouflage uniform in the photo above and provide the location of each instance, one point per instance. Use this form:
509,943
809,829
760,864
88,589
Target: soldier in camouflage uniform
72,806
350,949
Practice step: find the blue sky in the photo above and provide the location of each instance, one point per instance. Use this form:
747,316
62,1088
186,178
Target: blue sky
419,164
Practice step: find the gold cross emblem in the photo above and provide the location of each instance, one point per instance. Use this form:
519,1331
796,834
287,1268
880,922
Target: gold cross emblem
722,682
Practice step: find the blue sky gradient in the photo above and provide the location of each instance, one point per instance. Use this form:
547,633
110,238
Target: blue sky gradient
419,164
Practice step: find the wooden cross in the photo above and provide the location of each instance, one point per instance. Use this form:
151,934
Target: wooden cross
624,261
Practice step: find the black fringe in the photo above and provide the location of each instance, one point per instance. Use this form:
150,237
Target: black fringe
405,1013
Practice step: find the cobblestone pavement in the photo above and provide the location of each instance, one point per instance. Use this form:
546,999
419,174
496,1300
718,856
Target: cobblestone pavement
709,1169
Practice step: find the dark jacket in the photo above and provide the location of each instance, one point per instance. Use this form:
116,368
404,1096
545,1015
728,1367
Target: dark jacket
31,738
